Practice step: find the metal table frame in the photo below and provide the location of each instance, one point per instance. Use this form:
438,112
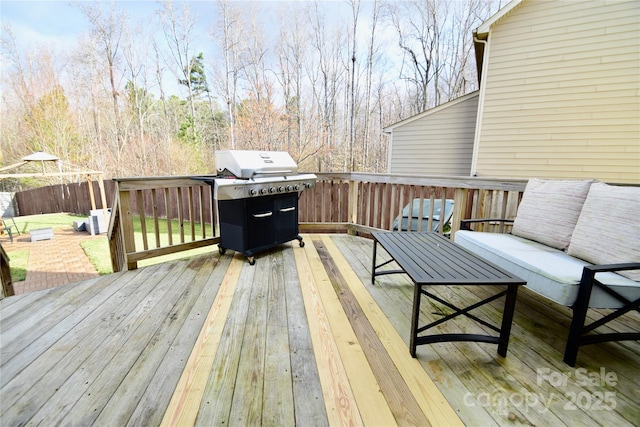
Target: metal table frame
431,259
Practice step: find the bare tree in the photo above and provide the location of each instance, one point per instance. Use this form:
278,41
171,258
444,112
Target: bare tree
11,57
458,75
416,25
228,39
106,30
178,28
355,11
327,75
372,50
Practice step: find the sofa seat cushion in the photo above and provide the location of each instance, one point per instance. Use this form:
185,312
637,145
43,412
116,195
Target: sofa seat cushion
549,210
548,271
608,229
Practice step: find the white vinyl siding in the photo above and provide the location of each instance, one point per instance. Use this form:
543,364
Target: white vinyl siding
438,142
562,92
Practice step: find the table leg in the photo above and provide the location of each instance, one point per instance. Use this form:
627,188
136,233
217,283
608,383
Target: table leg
507,319
417,294
373,262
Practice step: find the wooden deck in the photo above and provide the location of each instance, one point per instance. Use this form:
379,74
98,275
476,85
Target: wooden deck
300,338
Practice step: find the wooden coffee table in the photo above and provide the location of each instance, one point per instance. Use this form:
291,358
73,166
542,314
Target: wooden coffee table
431,259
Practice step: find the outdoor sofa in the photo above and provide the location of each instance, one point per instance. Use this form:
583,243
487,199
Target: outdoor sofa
576,242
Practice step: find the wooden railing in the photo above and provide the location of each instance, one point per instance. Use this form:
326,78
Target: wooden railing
346,202
156,203
359,202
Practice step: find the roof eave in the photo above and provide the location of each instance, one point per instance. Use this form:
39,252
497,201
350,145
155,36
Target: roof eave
484,28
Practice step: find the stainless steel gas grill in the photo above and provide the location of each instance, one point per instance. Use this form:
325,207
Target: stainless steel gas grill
257,194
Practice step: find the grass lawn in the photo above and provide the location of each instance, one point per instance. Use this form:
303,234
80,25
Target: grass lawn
18,262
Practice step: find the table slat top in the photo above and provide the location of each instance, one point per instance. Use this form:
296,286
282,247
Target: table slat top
430,258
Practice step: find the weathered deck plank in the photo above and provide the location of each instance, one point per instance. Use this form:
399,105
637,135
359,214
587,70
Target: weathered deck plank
278,387
147,382
94,381
309,405
187,397
246,405
218,395
49,372
148,341
300,338
30,343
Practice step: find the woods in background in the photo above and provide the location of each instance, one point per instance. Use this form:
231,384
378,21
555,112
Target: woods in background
158,97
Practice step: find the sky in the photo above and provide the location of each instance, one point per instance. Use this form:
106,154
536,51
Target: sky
42,19
60,22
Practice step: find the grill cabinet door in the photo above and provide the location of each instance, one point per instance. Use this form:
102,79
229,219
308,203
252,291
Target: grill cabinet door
260,222
286,222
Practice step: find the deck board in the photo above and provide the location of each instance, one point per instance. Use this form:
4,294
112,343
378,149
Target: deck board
246,405
339,400
95,379
48,373
300,338
400,400
278,387
307,391
145,383
353,344
222,379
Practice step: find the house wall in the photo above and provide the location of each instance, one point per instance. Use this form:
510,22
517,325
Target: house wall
438,142
562,92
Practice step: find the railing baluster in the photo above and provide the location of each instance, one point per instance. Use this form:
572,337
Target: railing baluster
167,204
192,217
141,214
155,216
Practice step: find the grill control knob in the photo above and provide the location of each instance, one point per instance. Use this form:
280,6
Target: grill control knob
272,190
263,191
288,188
253,192
280,189
296,187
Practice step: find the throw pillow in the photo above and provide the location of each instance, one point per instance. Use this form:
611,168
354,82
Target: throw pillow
608,230
549,210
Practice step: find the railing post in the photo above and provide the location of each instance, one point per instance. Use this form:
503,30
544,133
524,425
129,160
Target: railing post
353,203
5,275
459,207
126,227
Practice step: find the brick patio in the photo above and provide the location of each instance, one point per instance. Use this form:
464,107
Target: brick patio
52,262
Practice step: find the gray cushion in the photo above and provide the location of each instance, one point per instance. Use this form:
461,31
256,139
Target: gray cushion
549,272
608,230
549,210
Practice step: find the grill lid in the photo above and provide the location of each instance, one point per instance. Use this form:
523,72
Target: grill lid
249,164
